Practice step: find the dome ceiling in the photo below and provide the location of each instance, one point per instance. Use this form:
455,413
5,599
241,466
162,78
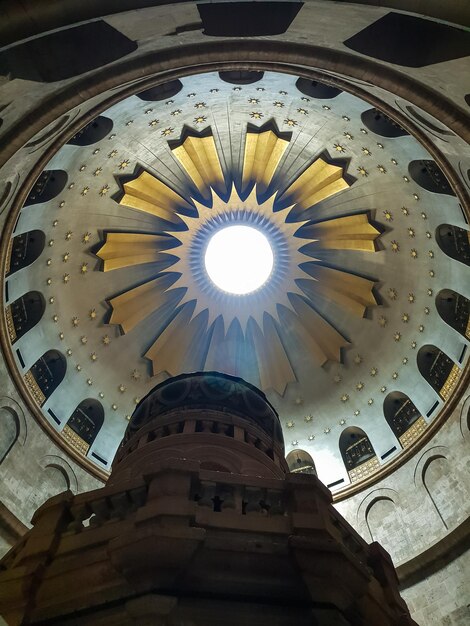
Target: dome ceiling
351,204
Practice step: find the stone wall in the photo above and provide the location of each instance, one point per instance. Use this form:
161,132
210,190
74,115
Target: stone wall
420,514
443,598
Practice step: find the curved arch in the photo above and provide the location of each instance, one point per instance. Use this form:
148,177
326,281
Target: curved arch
465,418
300,462
24,313
46,375
437,369
9,431
161,92
400,414
429,460
381,124
428,175
454,241
62,465
454,309
47,187
93,132
417,474
241,77
8,403
317,89
84,424
357,452
25,249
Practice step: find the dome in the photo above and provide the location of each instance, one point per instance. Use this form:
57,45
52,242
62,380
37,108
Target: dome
343,144
207,391
114,234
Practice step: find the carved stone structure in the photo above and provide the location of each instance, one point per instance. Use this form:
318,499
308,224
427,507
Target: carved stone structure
200,523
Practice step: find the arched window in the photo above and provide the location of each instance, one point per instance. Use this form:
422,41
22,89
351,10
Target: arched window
381,124
454,310
316,89
438,369
83,425
358,454
161,92
9,430
25,249
403,418
300,462
46,375
94,131
241,77
24,313
428,175
47,187
454,241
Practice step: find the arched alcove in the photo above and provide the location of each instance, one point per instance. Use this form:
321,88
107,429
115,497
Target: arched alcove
47,187
93,132
383,522
300,462
454,310
381,124
403,417
9,430
428,175
25,249
358,453
84,424
161,92
52,480
24,313
241,77
454,241
317,89
438,369
46,375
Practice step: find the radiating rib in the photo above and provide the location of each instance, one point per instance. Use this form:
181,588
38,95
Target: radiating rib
353,232
230,352
352,292
181,346
275,370
328,341
263,152
319,181
134,305
125,249
200,160
150,195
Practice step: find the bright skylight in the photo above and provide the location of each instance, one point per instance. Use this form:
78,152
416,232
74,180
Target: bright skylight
239,259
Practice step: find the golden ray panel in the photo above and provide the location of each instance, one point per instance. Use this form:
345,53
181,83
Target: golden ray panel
207,328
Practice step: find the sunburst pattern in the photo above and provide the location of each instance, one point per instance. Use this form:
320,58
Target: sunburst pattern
208,328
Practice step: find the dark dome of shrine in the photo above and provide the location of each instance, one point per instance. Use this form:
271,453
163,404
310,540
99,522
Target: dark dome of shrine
207,391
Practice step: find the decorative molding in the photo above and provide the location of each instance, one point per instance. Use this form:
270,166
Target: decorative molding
414,432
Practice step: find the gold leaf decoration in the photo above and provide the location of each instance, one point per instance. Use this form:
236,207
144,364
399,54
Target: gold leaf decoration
203,327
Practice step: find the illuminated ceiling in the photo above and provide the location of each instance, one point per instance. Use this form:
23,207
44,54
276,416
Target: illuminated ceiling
351,299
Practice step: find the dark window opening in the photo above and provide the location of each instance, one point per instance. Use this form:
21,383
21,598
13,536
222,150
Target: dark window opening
161,92
381,124
26,248
247,19
454,310
47,187
400,412
435,366
454,241
316,89
428,175
26,312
